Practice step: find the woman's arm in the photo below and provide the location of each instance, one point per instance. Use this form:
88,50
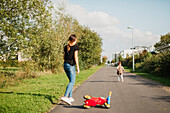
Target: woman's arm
77,61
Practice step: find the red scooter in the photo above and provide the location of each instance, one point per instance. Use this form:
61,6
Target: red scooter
93,101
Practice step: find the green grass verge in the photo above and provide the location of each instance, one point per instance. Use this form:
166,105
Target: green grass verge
39,94
161,79
11,69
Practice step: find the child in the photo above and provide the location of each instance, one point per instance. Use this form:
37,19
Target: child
120,70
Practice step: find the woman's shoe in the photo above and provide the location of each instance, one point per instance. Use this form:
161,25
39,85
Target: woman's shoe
71,99
66,100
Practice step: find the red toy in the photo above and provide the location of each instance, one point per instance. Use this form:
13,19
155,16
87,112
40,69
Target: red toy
93,101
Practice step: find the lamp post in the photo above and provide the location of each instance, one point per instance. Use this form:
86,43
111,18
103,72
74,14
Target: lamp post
133,62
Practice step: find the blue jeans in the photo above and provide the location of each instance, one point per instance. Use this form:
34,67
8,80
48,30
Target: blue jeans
71,74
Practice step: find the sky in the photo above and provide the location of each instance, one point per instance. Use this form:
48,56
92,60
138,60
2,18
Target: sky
110,18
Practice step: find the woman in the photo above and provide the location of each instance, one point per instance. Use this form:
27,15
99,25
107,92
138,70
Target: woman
120,70
70,60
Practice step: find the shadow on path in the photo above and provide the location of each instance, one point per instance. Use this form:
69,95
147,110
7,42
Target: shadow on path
101,81
164,98
158,98
49,97
75,106
81,107
142,81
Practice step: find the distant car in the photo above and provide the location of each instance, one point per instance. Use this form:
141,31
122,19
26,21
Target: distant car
94,101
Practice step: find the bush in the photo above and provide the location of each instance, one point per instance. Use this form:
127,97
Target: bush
139,65
158,64
9,63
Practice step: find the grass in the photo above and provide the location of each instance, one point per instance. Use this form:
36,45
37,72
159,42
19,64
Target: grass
39,94
158,78
9,69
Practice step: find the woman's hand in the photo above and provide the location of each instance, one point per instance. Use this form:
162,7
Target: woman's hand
78,70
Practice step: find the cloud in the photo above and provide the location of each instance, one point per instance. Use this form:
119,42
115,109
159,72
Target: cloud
92,19
145,38
114,38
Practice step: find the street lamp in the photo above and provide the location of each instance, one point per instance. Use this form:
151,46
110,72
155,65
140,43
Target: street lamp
133,62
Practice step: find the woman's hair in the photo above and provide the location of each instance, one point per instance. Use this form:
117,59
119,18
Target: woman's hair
71,39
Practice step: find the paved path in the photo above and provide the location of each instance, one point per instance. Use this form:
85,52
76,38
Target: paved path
135,95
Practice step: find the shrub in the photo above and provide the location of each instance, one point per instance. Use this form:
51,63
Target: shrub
139,65
158,64
9,63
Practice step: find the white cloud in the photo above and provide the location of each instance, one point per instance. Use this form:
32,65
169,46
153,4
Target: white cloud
92,19
114,38
145,38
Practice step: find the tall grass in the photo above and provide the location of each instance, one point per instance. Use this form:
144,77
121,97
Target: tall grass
13,75
39,94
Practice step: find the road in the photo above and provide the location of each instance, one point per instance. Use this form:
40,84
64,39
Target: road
135,95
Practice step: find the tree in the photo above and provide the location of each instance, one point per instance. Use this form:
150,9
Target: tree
64,26
113,61
158,64
90,48
120,58
108,62
17,18
104,59
29,27
164,41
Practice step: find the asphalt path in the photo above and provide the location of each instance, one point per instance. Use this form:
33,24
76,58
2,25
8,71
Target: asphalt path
135,95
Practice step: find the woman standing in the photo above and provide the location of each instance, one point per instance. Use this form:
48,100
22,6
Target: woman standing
70,60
